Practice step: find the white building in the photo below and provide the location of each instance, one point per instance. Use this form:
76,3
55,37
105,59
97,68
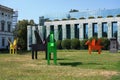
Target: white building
81,25
6,28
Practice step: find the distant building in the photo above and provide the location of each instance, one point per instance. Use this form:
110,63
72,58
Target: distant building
15,19
6,26
82,25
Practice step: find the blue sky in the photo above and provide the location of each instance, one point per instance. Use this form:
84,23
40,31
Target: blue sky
32,9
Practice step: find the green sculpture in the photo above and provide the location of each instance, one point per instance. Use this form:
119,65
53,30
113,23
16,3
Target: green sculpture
51,48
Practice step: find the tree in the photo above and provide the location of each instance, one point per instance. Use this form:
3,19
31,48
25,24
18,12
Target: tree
31,22
21,32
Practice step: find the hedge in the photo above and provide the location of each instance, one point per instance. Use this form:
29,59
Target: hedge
75,43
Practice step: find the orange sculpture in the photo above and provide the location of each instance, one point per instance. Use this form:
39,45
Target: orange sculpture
94,45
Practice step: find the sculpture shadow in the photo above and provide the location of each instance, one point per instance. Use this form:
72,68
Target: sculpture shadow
94,63
73,64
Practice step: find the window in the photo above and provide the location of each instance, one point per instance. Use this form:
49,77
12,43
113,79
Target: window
2,14
3,42
85,30
9,26
2,25
104,29
68,31
59,32
76,31
114,29
52,28
95,30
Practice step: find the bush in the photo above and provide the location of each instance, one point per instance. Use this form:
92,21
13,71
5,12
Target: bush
56,20
58,44
66,44
99,17
75,44
82,44
64,19
81,18
109,16
118,15
73,19
106,43
91,17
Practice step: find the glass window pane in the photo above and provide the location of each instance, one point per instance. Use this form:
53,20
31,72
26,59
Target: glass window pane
104,29
114,29
85,30
95,30
68,31
76,32
59,32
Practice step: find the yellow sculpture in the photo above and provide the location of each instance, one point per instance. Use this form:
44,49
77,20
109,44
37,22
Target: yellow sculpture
13,46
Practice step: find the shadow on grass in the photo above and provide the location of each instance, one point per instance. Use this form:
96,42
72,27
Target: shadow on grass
93,63
73,64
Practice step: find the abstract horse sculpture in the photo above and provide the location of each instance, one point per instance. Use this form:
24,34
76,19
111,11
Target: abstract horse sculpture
94,45
13,46
39,46
51,48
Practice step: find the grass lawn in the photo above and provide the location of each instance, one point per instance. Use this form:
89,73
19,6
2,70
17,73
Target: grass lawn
71,65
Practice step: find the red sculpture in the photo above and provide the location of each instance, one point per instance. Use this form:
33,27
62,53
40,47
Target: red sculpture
94,45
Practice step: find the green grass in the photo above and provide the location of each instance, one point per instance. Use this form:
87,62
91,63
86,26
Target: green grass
72,65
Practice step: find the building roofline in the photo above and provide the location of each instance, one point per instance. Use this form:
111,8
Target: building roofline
6,8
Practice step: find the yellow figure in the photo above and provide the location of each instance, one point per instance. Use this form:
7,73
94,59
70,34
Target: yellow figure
13,46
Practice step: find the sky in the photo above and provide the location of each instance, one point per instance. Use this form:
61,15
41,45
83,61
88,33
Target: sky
33,9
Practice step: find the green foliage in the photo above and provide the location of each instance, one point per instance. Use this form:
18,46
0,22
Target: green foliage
82,44
109,16
105,42
64,19
66,44
58,44
99,17
48,20
118,15
75,44
31,22
21,32
81,18
93,38
73,19
72,65
56,20
91,17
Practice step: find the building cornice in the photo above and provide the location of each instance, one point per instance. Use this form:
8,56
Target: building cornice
7,9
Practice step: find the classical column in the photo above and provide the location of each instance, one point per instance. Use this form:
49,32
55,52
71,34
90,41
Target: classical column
63,31
109,30
47,30
56,32
33,35
40,29
118,39
29,36
81,31
90,30
72,31
99,30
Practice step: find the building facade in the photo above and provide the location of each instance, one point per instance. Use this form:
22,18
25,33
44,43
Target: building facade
82,25
6,27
